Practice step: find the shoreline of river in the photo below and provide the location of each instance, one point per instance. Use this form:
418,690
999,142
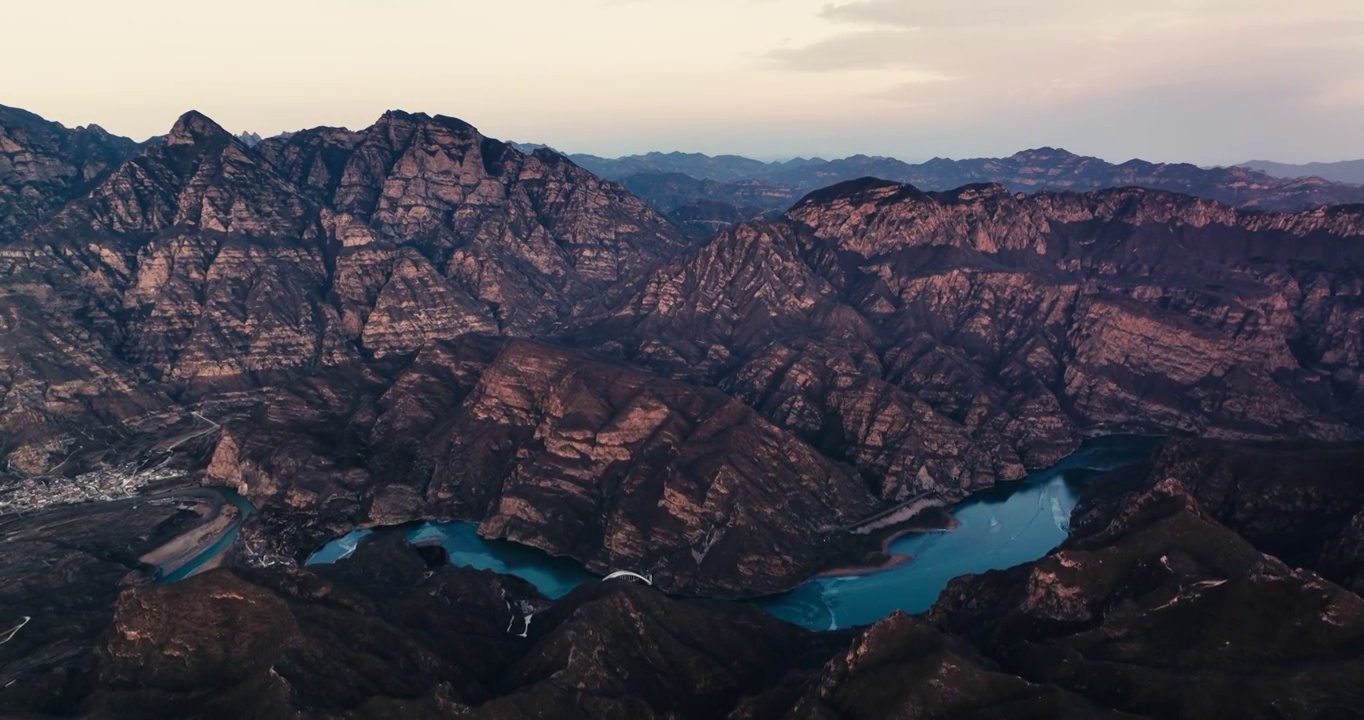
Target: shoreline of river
904,565
892,560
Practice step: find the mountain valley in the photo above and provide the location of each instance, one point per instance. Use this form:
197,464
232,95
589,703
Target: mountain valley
416,322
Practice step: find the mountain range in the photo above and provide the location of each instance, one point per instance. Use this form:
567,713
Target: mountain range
686,183
1345,171
414,321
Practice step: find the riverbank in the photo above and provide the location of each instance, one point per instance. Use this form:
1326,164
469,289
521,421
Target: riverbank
217,517
919,551
928,519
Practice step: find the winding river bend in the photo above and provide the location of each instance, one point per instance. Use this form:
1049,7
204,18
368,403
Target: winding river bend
1000,528
553,576
209,554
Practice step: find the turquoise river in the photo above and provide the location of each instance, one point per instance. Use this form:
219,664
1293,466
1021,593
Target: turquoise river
1000,528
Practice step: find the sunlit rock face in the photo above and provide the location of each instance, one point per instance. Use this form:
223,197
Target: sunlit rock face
200,263
612,466
44,165
947,341
526,236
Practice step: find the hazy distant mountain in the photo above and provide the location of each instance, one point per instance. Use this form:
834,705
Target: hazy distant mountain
775,186
724,168
708,205
1056,169
1346,171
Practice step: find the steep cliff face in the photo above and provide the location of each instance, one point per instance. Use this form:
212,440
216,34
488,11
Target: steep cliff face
944,341
614,467
228,261
528,236
206,265
44,165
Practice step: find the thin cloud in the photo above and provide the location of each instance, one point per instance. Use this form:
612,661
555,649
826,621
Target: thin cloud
861,50
1078,13
961,13
1181,78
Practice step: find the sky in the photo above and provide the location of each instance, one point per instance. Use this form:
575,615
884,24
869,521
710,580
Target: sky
1204,81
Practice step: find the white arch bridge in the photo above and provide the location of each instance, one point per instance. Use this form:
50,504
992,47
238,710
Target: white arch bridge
646,579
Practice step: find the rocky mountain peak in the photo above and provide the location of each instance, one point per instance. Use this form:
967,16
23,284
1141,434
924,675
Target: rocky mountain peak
454,124
394,114
859,190
14,117
397,123
980,192
550,156
1045,153
936,342
44,165
944,289
196,127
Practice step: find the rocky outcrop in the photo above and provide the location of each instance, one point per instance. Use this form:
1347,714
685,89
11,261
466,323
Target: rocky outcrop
1301,502
545,447
44,165
233,261
1152,607
945,341
384,634
528,236
903,667
205,265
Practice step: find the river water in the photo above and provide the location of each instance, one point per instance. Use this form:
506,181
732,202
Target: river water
553,576
244,508
1000,528
1009,525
